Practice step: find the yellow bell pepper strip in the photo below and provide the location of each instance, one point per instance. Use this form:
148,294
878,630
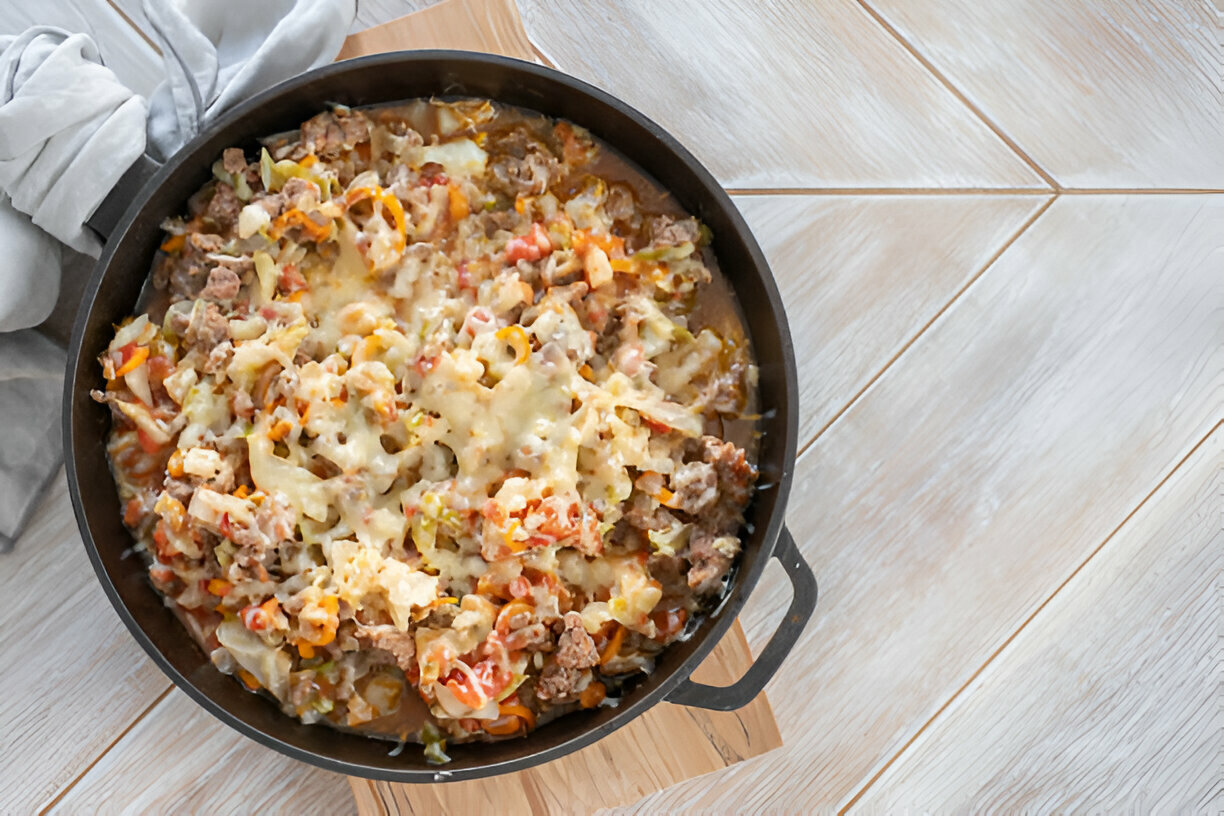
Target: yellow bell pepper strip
613,645
518,340
174,243
512,543
593,694
388,200
520,711
132,356
297,218
458,203
219,587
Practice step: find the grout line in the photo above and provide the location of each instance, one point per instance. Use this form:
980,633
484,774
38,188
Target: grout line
105,751
963,191
909,343
1141,191
1163,480
134,27
851,191
935,72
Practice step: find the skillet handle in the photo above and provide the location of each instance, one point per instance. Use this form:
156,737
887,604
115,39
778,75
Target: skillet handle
106,217
744,690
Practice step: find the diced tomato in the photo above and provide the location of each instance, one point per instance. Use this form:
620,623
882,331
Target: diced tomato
147,443
291,279
530,247
132,513
425,364
520,587
162,575
257,618
460,685
160,367
657,427
492,677
226,526
161,542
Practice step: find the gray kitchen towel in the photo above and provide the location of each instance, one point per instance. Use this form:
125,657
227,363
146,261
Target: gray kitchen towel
68,131
31,379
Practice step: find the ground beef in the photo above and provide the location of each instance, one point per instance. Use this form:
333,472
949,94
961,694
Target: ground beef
534,637
708,565
223,209
645,513
401,645
695,486
273,203
558,684
218,357
184,278
297,189
234,160
523,166
669,571
206,241
575,648
327,134
207,328
620,205
667,231
223,285
179,489
735,478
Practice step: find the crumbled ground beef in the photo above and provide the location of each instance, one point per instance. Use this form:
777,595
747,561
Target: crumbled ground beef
223,209
327,134
559,684
223,285
575,648
233,160
667,231
401,645
695,486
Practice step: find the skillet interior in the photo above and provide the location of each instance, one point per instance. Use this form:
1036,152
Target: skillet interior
125,264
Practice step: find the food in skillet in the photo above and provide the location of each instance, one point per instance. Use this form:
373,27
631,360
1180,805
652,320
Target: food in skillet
421,431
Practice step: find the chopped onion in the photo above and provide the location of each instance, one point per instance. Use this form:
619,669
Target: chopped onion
138,380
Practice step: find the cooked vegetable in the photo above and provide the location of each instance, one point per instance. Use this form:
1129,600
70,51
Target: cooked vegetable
426,422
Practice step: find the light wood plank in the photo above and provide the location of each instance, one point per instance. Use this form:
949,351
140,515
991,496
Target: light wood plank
977,473
73,678
376,12
780,94
180,759
861,276
489,26
581,783
1107,702
1101,93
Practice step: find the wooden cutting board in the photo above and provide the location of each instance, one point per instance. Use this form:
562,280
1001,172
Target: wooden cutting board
669,743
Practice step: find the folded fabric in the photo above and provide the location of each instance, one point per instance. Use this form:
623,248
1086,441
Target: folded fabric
69,130
31,379
220,52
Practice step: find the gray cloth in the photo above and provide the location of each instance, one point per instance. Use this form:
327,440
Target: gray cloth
68,131
31,379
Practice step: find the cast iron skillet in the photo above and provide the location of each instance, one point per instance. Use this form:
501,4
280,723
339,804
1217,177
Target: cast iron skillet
129,221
